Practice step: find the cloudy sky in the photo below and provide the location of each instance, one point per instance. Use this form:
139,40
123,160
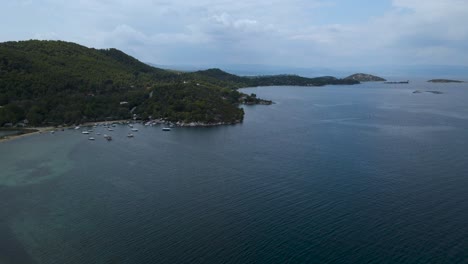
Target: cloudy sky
302,33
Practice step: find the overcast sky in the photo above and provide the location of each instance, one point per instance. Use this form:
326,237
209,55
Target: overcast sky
303,33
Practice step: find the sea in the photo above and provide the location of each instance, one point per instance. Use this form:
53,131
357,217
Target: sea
369,173
4,133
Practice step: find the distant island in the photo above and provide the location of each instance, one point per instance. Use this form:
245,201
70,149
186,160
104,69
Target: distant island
52,83
444,81
397,82
363,77
433,92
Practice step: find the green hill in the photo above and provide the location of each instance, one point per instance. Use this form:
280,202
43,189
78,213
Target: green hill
57,82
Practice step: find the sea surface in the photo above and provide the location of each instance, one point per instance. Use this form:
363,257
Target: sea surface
8,133
370,173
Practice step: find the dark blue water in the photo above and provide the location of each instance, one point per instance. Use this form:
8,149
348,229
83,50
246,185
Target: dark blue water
340,174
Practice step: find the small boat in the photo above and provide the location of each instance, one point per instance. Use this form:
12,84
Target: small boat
135,129
78,127
109,138
85,132
130,135
52,132
98,133
91,138
166,129
110,129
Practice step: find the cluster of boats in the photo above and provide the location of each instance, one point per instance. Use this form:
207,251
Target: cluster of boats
110,127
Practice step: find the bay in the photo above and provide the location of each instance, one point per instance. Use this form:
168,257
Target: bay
371,173
7,133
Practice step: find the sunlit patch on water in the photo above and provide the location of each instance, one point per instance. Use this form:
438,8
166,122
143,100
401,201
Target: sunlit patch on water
47,169
34,161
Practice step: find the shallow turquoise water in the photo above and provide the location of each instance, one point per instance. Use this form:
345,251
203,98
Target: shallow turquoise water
340,174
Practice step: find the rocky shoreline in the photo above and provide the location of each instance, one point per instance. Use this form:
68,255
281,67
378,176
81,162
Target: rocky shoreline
23,132
202,124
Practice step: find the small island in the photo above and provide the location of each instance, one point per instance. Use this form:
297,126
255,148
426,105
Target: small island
363,77
397,82
444,81
432,92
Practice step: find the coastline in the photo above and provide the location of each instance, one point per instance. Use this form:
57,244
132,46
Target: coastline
24,132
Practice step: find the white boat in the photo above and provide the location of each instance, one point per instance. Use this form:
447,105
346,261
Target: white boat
166,129
52,132
78,127
135,129
91,138
110,129
130,135
85,132
98,133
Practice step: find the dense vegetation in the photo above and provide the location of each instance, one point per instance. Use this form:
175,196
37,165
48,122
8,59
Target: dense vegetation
192,102
235,81
56,82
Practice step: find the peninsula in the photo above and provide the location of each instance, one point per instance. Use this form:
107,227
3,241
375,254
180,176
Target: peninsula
51,83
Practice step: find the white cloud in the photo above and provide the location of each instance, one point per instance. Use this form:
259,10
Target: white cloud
244,31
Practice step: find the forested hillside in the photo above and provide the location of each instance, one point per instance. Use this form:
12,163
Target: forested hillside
57,82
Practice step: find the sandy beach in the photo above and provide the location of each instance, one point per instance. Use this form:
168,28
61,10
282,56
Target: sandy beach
39,130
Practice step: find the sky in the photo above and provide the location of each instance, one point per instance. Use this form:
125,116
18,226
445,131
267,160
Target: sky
297,33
